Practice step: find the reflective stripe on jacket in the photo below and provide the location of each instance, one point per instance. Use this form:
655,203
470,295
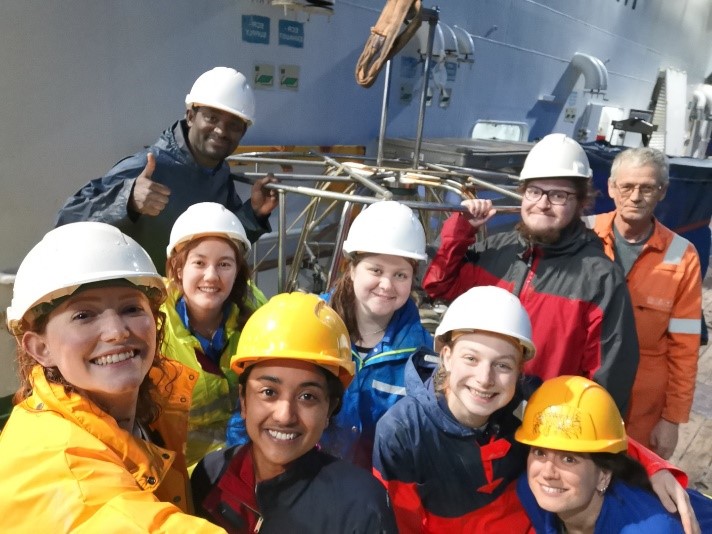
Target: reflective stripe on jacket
665,286
214,396
66,465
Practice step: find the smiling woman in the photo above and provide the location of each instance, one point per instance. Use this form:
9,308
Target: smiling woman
579,476
384,245
294,362
210,298
446,452
97,402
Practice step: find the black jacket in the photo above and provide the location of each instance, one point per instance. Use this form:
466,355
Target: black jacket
317,494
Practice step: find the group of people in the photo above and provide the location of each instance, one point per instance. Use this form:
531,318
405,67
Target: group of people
191,402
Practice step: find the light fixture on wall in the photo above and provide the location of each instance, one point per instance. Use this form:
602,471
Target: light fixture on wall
320,7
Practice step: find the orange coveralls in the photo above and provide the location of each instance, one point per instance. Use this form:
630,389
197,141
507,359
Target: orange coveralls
665,286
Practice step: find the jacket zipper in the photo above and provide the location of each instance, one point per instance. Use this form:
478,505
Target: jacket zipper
258,525
523,281
260,519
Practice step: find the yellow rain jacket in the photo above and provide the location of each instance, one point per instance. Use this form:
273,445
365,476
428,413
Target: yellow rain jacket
65,465
214,396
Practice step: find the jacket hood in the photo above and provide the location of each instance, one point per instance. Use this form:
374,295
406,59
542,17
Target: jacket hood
145,458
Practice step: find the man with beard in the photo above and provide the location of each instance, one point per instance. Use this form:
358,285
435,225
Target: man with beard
144,194
577,299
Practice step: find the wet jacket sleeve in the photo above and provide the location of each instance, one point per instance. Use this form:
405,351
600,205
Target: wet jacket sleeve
254,225
612,339
105,199
654,463
450,274
684,340
393,465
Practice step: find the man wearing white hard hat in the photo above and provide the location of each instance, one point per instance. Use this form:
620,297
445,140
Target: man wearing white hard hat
144,194
581,313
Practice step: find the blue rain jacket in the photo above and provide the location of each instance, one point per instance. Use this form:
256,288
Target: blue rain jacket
379,383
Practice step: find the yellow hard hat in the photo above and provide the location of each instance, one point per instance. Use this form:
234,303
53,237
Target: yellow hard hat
297,326
572,413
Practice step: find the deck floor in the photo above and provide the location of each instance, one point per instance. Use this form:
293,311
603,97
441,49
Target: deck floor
694,449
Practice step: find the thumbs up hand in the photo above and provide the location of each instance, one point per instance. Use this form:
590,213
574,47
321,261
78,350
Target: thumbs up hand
148,197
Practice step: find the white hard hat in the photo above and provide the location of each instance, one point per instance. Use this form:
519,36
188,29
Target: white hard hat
556,156
73,255
387,227
207,219
225,89
488,309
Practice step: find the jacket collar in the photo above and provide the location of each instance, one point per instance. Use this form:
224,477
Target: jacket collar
573,237
404,329
147,463
282,491
176,325
174,140
655,241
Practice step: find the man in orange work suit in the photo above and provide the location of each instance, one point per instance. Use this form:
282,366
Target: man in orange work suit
663,275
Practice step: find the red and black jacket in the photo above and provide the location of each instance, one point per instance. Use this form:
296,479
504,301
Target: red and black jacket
317,493
443,476
576,297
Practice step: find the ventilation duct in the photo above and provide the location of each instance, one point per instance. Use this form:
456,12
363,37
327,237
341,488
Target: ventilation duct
595,73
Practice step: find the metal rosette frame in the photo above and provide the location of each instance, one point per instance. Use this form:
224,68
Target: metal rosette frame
316,208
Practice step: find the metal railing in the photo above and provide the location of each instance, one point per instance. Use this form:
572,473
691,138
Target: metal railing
344,186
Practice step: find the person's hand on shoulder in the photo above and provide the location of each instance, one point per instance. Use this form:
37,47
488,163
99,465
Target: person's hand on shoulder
263,199
479,211
148,197
675,499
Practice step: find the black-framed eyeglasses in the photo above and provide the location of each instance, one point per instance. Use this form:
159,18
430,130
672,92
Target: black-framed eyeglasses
555,196
646,190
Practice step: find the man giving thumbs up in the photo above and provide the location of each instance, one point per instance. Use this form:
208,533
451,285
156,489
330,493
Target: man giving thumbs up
145,193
